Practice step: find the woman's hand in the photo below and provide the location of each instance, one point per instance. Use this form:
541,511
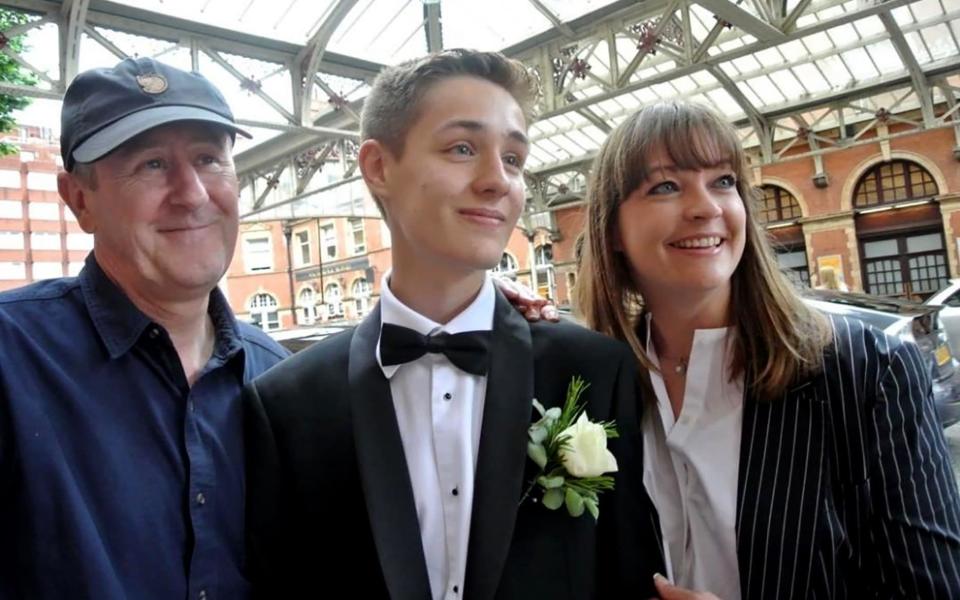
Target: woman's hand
532,306
668,591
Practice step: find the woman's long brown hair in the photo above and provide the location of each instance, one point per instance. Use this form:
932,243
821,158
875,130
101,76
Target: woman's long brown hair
779,340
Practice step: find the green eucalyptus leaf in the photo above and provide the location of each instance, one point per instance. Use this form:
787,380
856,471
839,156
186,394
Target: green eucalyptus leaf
538,433
551,482
553,498
538,406
574,503
537,454
592,507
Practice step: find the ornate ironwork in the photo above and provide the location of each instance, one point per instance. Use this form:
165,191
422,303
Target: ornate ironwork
250,85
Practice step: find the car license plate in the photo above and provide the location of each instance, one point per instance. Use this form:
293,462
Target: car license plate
943,354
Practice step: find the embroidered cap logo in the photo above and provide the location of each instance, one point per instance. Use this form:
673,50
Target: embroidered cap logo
152,83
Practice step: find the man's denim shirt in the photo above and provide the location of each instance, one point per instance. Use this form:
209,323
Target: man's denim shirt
117,478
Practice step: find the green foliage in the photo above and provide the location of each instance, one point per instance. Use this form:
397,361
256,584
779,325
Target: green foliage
544,446
12,72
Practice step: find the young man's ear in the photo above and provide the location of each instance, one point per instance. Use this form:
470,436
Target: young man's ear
74,192
371,158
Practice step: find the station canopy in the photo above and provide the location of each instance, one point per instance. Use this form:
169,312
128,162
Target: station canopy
827,73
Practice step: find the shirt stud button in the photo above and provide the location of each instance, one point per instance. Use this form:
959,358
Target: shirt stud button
455,492
201,499
448,396
456,589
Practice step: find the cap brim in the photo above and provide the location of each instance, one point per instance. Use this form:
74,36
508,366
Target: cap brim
112,136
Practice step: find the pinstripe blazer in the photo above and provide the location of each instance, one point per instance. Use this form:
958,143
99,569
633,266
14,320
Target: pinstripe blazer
845,487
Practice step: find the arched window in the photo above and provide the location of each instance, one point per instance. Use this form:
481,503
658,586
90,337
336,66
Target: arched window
307,301
334,297
777,204
894,181
543,255
508,265
361,295
263,311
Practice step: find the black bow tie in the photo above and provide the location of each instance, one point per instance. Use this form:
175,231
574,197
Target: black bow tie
468,350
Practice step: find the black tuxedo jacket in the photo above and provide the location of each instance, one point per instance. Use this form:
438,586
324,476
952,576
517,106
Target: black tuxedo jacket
329,502
845,487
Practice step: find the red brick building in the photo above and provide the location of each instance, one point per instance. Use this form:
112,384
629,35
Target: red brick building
886,216
39,238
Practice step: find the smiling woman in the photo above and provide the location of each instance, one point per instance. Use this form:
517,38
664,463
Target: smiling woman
751,395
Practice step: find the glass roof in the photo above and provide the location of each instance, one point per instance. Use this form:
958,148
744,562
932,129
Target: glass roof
744,63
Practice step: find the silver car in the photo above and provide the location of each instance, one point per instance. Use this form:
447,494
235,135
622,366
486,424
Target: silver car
918,323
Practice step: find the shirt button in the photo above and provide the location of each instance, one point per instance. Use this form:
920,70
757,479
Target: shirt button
448,396
201,500
456,589
455,492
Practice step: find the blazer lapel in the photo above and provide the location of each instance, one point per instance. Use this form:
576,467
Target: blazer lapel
507,411
780,489
383,469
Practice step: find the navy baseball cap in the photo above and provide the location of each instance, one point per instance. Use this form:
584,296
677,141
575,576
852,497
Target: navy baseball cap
103,108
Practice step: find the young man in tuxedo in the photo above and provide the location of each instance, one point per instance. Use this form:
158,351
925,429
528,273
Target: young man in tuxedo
390,461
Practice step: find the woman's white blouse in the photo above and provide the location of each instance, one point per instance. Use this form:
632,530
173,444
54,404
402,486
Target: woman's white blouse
691,466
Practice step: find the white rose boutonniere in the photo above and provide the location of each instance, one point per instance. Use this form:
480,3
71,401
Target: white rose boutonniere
571,451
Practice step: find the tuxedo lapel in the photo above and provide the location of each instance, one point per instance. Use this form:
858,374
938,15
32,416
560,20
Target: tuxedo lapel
780,489
502,456
383,469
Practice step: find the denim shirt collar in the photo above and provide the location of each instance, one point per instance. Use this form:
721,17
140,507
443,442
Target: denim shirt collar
119,322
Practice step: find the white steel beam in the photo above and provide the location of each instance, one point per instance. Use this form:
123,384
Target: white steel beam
560,25
755,26
312,54
917,78
73,16
432,28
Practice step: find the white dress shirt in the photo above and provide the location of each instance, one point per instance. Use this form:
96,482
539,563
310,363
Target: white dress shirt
691,467
439,411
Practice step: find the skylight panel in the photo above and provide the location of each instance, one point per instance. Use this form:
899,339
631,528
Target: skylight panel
818,42
752,97
747,64
389,32
768,58
595,135
918,47
886,57
860,64
925,10
766,91
703,78
939,41
606,107
725,103
730,69
835,71
685,84
787,83
485,25
842,35
869,26
903,16
810,77
645,96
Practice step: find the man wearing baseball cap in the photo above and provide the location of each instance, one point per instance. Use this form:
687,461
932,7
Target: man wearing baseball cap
121,457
